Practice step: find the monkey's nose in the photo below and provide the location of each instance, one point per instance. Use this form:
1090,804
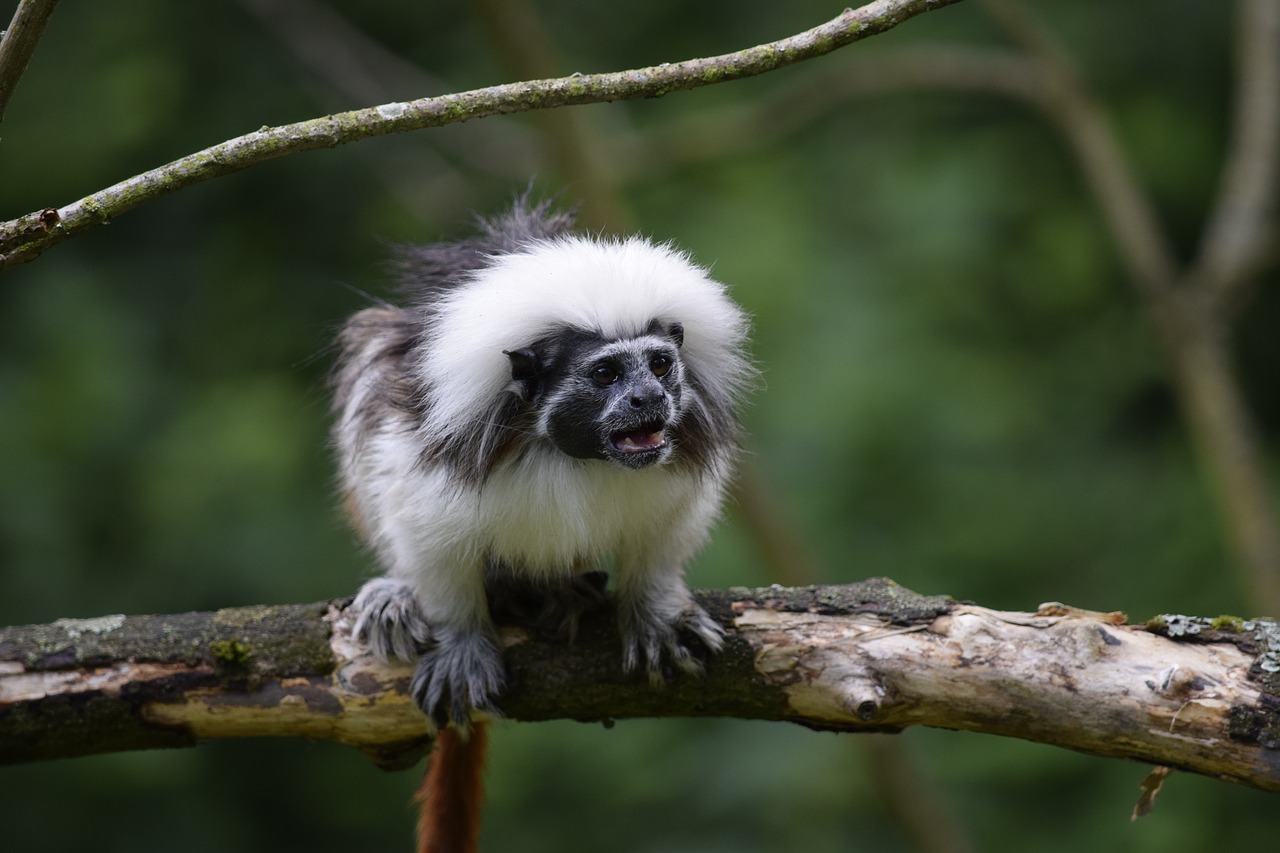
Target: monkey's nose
645,395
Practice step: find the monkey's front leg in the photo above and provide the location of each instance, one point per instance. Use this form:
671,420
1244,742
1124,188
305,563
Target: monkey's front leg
389,620
461,671
447,631
658,618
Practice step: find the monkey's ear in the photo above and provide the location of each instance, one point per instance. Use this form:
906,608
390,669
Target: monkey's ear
676,332
524,363
524,369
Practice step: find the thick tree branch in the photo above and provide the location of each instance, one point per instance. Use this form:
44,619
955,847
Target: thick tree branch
1199,695
18,44
27,237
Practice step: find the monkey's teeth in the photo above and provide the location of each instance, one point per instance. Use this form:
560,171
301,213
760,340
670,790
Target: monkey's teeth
640,441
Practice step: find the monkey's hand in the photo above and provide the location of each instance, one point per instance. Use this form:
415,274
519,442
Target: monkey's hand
389,620
652,639
461,671
458,670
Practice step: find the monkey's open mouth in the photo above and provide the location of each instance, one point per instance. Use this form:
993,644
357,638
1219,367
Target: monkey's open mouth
643,440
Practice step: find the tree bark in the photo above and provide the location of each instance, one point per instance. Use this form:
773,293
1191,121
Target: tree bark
1196,694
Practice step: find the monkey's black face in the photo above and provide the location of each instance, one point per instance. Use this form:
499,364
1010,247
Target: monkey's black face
609,400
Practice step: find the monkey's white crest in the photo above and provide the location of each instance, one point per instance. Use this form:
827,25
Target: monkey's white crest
546,405
616,288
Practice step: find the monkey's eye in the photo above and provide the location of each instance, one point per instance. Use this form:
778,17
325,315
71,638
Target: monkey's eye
604,374
660,365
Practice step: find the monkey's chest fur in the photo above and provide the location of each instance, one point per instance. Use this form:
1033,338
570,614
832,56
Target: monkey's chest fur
548,511
545,513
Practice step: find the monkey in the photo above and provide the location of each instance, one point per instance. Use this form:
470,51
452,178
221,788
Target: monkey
545,404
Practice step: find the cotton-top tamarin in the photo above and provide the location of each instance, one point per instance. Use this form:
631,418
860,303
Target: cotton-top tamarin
545,404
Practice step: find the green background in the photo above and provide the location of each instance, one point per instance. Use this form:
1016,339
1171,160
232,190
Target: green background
961,392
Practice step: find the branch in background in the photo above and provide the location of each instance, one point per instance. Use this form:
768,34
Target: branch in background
25,238
1187,307
576,153
911,799
1187,313
805,97
922,813
1242,226
339,54
19,44
1063,97
1196,694
342,65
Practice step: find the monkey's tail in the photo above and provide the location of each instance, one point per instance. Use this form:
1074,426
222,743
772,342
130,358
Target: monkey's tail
452,793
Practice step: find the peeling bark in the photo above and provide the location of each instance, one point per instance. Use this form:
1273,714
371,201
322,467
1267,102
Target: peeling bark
1197,694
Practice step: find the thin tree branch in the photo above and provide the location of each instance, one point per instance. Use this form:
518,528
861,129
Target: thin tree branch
18,44
1238,237
1196,694
27,237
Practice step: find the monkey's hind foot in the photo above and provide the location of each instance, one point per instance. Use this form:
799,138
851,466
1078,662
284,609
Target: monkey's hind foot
389,620
460,672
684,642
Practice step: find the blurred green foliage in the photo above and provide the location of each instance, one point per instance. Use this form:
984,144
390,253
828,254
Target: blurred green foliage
962,393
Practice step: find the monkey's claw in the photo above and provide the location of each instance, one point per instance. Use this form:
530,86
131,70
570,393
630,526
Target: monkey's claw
389,620
648,641
459,673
